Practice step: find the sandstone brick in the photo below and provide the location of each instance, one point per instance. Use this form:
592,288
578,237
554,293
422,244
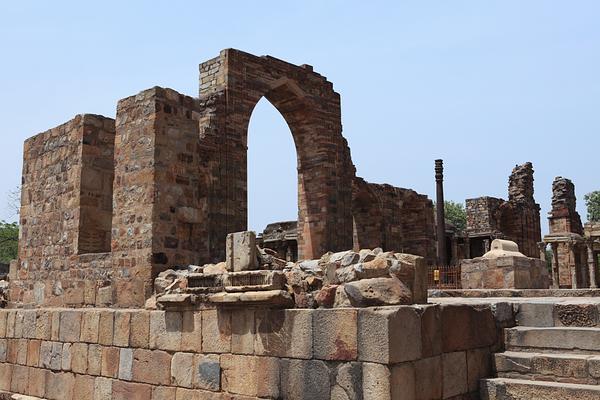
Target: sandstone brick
102,388
79,358
431,331
20,379
33,352
151,366
389,335
55,325
29,323
428,378
70,326
90,324
140,329
479,366
94,358
22,348
11,351
284,333
10,323
242,331
19,318
60,385
51,355
191,335
335,334
66,357
3,315
163,393
250,375
466,327
110,361
454,371
182,369
305,379
376,381
207,372
121,328
403,381
83,387
37,382
216,331
5,376
165,330
348,381
106,328
43,325
3,350
126,364
130,391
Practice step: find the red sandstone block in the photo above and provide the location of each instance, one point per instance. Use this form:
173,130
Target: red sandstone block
33,353
89,326
216,331
335,334
250,375
163,393
37,382
130,391
106,328
83,388
110,361
152,366
122,328
20,379
165,330
5,376
140,329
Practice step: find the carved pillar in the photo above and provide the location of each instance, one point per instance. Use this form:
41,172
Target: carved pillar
572,266
592,264
440,215
542,247
555,273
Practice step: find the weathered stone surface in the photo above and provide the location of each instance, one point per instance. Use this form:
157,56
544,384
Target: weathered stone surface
428,378
60,385
454,373
284,333
305,379
378,292
465,327
126,364
83,387
182,369
106,328
389,335
89,326
102,389
335,334
70,326
151,366
241,251
163,393
94,357
191,335
130,391
216,331
37,382
348,381
139,334
250,375
122,328
79,358
243,331
376,382
110,361
207,372
165,330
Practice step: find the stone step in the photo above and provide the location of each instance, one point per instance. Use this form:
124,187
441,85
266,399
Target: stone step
568,368
553,340
518,389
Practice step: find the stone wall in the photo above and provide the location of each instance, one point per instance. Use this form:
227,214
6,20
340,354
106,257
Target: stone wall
66,210
424,352
517,219
393,219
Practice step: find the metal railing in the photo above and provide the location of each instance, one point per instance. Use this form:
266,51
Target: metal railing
444,277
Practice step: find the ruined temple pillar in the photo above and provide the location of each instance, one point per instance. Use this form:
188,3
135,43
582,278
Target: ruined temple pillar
555,274
440,215
592,265
573,266
542,250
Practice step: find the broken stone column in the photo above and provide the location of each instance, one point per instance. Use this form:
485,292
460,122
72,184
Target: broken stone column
241,253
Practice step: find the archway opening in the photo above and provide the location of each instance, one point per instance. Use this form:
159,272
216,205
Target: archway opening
272,181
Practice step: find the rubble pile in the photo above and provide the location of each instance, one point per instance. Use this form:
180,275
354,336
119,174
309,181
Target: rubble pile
255,276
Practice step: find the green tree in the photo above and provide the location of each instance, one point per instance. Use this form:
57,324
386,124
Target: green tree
592,201
456,214
9,241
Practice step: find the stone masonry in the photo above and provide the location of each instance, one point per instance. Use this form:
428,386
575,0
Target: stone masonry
517,219
108,205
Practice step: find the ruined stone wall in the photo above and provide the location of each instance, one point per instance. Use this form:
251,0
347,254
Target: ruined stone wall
394,219
517,219
481,215
66,211
425,352
564,216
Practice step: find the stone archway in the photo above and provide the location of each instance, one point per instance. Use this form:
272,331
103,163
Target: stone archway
311,108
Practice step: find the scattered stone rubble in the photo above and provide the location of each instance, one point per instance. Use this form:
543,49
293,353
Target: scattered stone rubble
254,276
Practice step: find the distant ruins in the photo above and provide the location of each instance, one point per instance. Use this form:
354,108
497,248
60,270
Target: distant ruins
137,280
517,219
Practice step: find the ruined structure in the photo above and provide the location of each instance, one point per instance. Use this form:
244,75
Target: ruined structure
570,267
109,204
281,237
517,219
504,267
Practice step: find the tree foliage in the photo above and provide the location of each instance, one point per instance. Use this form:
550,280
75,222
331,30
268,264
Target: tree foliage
592,201
9,241
456,214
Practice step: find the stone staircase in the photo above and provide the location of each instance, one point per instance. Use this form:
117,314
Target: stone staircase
544,363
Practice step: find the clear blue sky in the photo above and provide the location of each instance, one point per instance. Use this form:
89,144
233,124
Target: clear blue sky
483,85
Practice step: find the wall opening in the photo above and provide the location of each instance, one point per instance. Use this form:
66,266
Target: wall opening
272,169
